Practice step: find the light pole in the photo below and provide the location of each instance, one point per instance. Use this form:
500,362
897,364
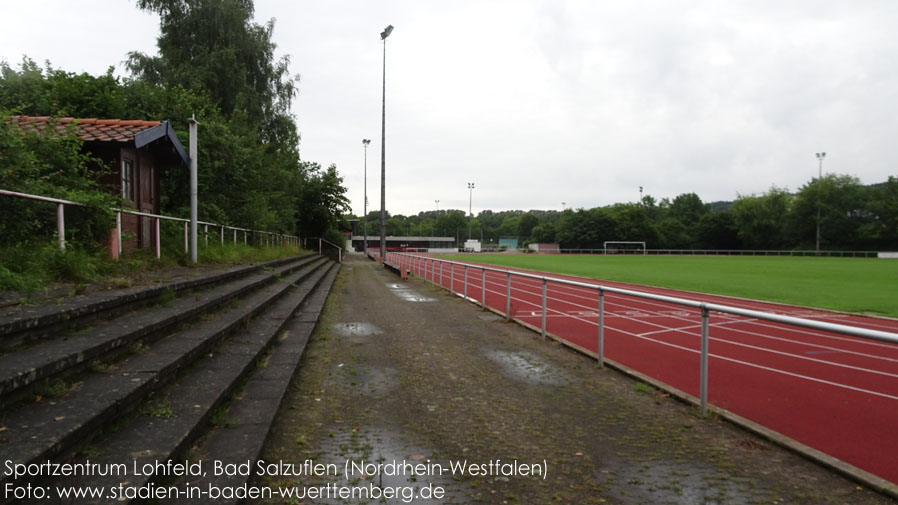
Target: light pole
383,150
820,157
470,214
434,229
562,206
365,143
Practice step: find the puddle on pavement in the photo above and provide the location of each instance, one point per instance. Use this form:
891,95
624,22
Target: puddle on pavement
529,367
366,380
408,294
376,459
355,330
676,484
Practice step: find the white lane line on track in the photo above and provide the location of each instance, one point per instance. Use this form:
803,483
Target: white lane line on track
695,351
634,315
766,368
713,339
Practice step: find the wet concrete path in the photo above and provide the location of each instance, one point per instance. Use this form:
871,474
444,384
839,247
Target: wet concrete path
405,391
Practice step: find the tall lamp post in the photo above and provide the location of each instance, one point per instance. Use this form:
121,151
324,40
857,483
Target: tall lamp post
383,150
434,229
470,214
365,143
820,157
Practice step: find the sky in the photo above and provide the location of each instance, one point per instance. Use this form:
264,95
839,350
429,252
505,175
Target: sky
551,104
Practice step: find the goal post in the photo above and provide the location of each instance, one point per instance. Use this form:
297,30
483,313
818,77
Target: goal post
623,247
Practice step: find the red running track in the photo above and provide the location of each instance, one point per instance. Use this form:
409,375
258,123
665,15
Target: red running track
834,393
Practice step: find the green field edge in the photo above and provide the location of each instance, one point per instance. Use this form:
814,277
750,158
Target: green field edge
864,286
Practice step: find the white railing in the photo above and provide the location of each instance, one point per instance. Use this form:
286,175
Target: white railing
268,238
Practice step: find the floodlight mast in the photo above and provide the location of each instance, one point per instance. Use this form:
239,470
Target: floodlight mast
470,214
365,143
383,150
820,157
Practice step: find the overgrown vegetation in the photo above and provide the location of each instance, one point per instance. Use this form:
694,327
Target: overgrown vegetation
215,62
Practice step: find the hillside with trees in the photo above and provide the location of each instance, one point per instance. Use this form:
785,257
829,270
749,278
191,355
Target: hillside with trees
852,217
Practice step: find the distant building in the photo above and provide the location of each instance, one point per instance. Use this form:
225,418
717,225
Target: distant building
508,242
135,151
406,244
545,248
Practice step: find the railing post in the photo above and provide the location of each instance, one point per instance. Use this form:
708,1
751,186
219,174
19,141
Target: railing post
186,239
466,282
118,232
206,234
544,307
222,235
235,236
507,296
60,225
158,240
319,247
483,288
452,278
441,274
704,364
600,349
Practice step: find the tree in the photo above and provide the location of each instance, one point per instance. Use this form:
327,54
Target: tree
213,46
842,206
717,230
452,223
883,228
322,201
544,233
526,224
760,219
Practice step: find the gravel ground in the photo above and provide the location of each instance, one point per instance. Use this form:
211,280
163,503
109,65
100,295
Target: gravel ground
404,376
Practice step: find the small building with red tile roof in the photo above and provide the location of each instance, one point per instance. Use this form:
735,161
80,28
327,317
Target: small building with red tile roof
135,152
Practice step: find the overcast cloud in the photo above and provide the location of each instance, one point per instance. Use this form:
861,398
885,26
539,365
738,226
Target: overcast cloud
544,102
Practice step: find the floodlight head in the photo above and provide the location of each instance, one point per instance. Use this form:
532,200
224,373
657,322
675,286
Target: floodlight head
366,141
386,33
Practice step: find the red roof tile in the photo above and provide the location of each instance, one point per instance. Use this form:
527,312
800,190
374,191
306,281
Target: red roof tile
87,129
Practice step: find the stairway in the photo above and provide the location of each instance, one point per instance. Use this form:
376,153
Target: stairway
190,369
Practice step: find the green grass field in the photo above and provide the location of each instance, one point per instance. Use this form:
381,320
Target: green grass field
861,285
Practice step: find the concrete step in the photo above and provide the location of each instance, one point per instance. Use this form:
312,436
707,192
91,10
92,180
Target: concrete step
246,419
36,322
71,351
40,430
169,421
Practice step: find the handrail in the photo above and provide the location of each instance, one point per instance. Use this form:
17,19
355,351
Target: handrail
322,241
60,223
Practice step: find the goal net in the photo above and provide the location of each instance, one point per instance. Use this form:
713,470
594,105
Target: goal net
612,247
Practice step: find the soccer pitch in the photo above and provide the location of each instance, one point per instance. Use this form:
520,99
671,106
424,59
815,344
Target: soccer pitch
859,285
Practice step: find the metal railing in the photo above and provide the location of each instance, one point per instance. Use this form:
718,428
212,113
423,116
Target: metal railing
332,248
419,266
267,238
